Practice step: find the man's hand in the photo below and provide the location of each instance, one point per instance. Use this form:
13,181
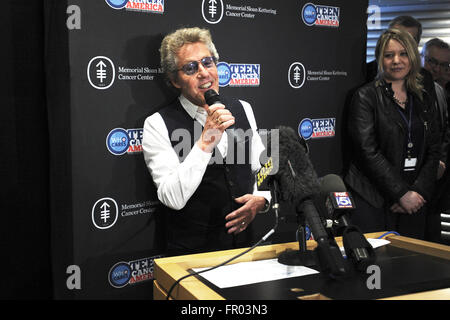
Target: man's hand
219,118
239,219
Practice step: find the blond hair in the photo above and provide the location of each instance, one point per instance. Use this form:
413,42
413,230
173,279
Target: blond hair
413,78
172,43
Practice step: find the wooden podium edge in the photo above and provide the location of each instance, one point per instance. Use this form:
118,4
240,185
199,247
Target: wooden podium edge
168,270
421,246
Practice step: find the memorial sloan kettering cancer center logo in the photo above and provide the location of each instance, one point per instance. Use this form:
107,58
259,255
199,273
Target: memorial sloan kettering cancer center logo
101,73
214,10
150,6
106,211
298,75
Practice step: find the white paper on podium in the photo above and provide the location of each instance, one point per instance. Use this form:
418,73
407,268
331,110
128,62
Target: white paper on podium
378,242
243,273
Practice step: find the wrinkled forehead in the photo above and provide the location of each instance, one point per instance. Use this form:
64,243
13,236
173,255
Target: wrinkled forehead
192,52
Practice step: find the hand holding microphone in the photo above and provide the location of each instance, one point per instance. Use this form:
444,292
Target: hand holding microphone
217,121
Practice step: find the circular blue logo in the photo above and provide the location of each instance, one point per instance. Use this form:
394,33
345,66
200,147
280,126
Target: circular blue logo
305,129
117,4
224,73
118,141
309,14
119,275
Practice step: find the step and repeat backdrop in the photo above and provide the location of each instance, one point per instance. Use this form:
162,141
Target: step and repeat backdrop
293,61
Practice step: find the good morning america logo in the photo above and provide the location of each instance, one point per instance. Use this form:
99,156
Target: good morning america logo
153,6
239,74
320,15
120,141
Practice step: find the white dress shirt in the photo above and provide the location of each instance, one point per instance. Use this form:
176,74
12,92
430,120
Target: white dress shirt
177,181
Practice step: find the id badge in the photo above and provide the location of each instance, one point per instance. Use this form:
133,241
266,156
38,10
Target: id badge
410,164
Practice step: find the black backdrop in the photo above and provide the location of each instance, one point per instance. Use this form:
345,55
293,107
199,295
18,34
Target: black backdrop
24,205
80,194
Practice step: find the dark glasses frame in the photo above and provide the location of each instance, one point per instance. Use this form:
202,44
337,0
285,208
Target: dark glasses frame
444,65
192,67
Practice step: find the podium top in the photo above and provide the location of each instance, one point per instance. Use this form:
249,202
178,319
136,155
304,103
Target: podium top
398,263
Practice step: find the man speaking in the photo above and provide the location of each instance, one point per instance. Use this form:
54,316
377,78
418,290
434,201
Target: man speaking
209,188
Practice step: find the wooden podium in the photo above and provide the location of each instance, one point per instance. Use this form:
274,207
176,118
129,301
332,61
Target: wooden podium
168,270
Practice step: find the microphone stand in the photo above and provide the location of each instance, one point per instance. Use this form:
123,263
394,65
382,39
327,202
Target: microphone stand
303,256
326,256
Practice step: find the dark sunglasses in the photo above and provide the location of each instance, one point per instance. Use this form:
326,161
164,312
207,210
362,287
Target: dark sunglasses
192,67
444,65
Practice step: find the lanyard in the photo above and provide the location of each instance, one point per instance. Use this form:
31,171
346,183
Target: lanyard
408,123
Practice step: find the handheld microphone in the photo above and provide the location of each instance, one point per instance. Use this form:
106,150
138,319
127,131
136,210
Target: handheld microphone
337,203
211,98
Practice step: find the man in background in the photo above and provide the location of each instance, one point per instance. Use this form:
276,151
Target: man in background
435,59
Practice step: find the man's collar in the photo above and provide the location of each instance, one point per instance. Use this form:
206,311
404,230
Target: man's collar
190,108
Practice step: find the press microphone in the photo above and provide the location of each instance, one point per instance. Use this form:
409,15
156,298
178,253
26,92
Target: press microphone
264,175
335,201
338,201
287,162
299,185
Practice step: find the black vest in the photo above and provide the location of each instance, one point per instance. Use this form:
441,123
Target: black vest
200,225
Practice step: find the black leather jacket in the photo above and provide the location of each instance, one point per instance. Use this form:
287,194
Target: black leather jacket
377,134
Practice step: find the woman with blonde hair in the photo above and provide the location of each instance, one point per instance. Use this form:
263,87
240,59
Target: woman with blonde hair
394,142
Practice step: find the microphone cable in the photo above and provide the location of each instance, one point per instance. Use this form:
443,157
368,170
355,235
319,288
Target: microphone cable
264,238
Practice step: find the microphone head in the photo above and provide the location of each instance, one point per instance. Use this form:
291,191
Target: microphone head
211,97
333,197
297,178
332,183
